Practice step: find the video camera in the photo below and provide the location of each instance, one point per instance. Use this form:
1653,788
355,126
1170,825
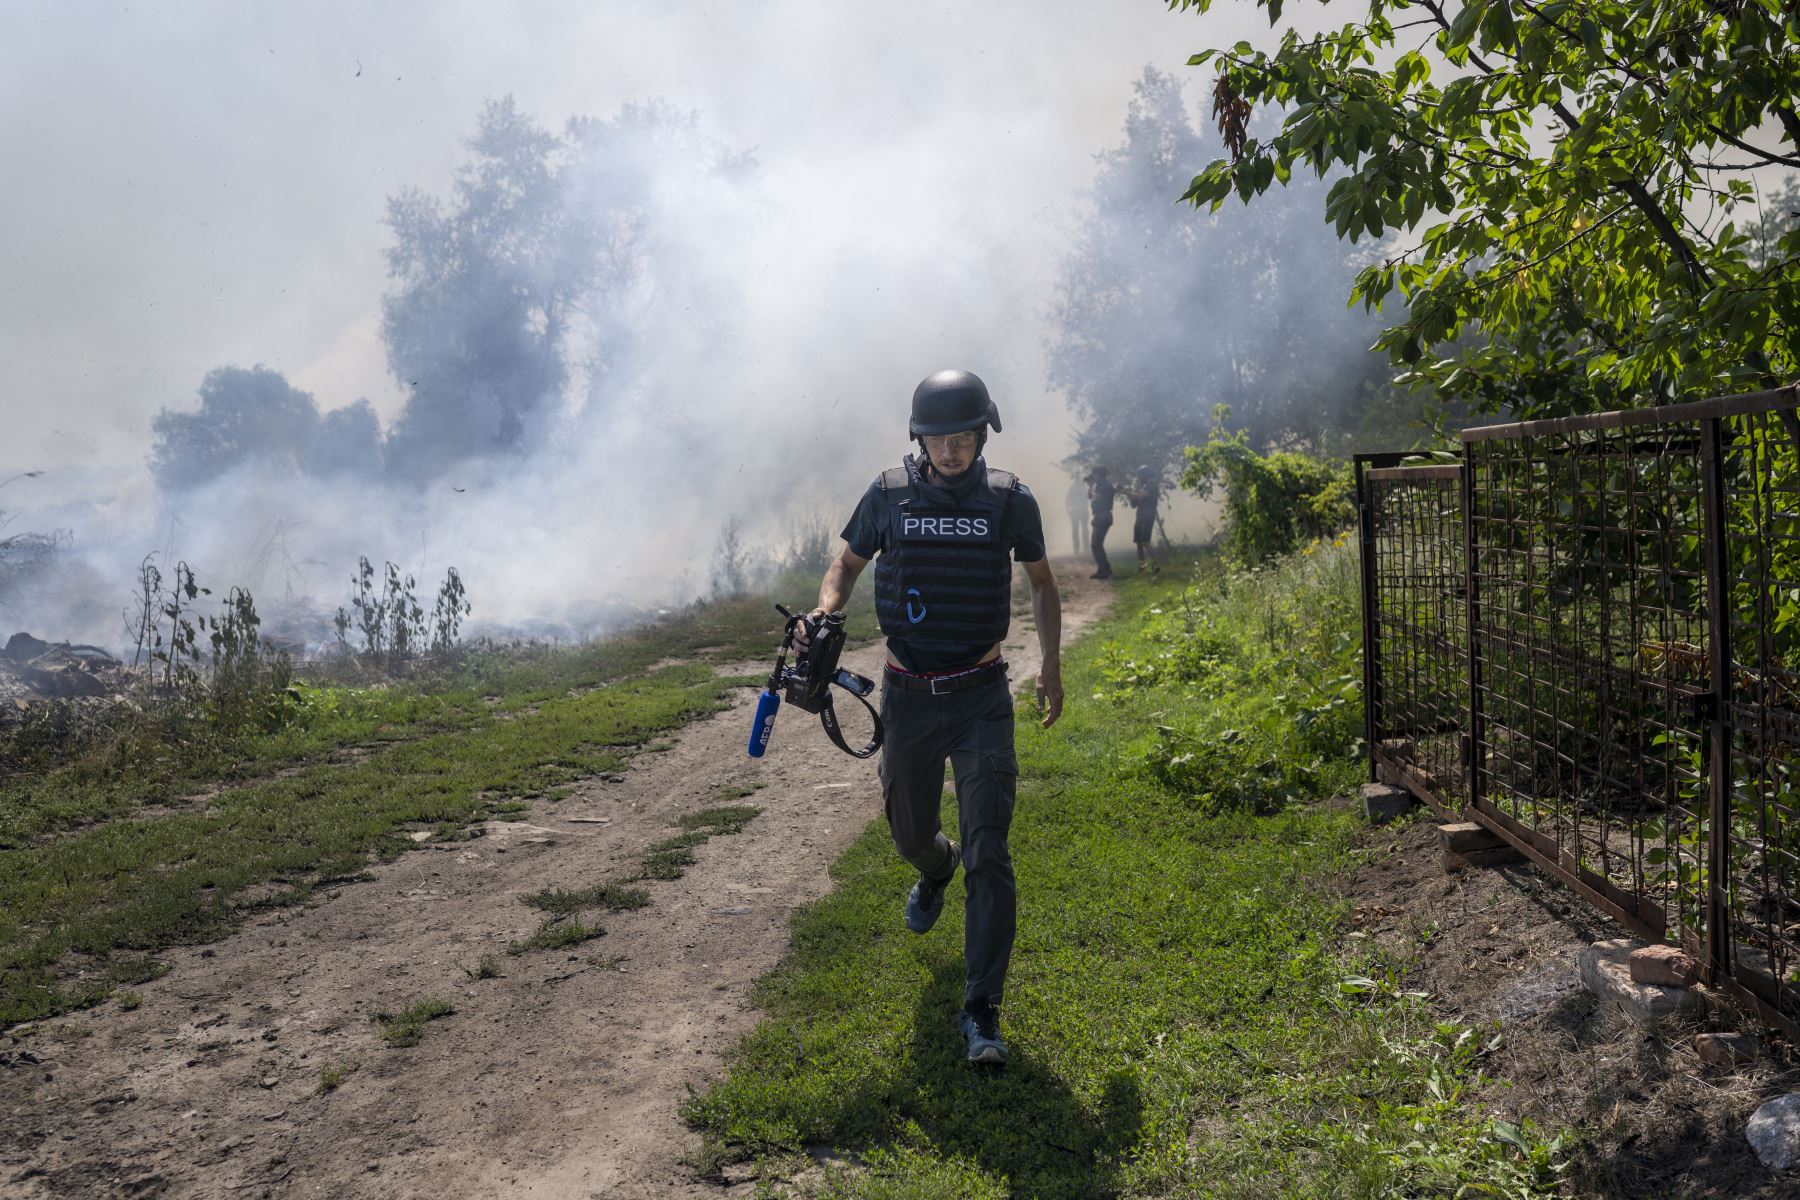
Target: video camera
808,682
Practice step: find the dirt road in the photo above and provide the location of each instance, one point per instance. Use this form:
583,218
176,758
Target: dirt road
561,1078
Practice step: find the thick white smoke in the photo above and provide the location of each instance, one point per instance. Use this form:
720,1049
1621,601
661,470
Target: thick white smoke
787,266
719,363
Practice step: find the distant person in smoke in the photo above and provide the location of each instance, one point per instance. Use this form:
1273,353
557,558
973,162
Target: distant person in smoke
1101,496
1076,502
1144,494
944,529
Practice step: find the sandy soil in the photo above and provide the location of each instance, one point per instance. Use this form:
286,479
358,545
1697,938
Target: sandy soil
562,1078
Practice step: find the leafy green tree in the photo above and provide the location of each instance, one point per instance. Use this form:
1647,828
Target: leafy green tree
1574,186
1162,312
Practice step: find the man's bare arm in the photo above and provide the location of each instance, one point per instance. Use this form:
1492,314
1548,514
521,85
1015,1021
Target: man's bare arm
1046,610
835,588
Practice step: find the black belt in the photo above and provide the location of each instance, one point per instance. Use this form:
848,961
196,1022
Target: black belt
937,685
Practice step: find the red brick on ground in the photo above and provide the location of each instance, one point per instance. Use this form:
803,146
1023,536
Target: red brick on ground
1668,965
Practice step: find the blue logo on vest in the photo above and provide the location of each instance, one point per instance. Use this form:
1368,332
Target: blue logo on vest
915,618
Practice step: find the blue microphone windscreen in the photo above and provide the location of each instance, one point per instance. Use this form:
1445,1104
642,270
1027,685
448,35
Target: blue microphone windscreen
767,705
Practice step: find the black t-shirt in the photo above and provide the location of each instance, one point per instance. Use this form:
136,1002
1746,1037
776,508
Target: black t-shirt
1103,500
1021,530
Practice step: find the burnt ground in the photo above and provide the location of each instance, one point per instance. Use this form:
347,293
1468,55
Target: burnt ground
1496,948
562,1077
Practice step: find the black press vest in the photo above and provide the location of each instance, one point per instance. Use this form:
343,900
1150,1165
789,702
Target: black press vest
946,574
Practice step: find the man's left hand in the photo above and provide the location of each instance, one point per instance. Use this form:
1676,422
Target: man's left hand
1050,697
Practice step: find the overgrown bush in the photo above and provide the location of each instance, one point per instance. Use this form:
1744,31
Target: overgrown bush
1269,663
25,556
1274,503
250,686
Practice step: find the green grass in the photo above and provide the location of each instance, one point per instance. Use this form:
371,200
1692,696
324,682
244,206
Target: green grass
555,934
405,1027
332,1077
487,967
667,860
724,820
1183,1016
64,784
670,858
612,897
91,887
139,885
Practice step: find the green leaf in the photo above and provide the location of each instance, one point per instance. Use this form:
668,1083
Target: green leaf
1466,22
1497,27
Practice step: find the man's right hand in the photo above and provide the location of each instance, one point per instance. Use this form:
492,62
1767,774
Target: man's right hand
803,629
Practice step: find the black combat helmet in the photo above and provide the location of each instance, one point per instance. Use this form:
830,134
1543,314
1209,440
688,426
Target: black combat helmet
950,402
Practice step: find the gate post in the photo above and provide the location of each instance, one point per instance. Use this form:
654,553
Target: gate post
1718,635
1473,734
1365,523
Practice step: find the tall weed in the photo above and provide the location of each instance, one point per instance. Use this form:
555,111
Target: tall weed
392,623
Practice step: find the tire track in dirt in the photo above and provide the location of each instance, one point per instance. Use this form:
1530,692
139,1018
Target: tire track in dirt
561,1078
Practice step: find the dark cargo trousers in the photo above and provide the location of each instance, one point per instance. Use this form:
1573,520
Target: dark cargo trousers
973,729
1098,545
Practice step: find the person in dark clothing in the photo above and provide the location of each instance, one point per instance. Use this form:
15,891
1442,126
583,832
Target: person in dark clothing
944,529
1144,495
1077,503
1101,495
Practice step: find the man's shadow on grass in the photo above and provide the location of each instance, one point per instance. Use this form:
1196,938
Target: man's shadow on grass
1019,1122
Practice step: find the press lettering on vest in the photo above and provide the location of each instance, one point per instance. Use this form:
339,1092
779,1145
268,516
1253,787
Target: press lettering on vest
967,527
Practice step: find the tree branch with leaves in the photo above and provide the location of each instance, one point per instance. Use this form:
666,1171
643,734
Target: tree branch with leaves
1582,240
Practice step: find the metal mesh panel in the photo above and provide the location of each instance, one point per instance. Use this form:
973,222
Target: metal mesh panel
1590,638
1761,808
1419,602
1630,669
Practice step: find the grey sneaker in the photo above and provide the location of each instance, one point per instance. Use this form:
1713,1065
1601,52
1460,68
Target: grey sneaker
980,1025
926,900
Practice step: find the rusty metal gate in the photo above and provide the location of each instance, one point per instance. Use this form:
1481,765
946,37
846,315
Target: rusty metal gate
1625,635
1415,648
